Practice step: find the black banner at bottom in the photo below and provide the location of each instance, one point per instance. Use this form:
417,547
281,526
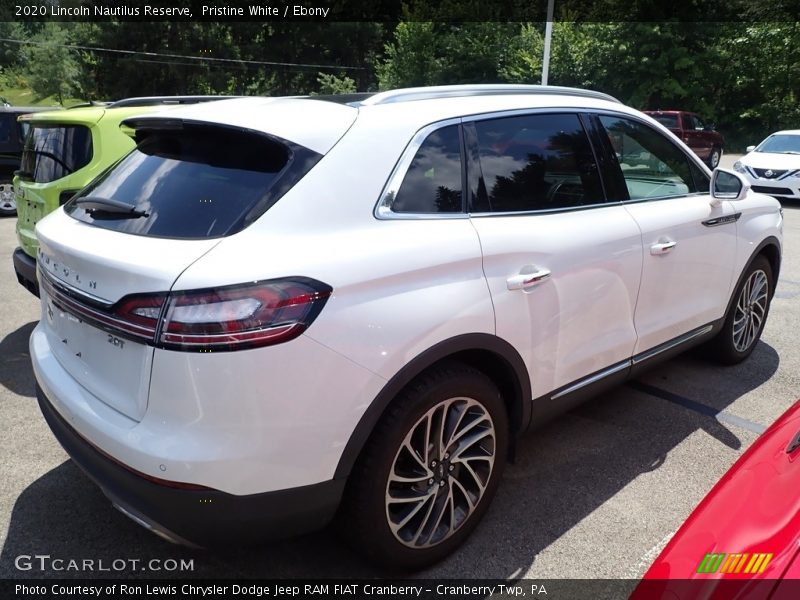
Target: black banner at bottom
400,589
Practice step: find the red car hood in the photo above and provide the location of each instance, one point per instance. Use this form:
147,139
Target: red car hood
743,537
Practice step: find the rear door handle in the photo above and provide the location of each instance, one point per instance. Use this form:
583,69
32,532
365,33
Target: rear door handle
527,280
662,248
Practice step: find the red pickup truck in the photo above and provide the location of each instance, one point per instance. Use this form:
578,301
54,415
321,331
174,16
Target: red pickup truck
701,137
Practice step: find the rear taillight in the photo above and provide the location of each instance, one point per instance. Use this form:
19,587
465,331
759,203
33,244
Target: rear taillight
138,315
209,320
242,316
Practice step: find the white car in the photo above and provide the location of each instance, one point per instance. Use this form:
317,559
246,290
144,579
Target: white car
773,167
274,310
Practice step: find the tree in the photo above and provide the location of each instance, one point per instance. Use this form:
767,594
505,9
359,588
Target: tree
52,67
427,53
333,84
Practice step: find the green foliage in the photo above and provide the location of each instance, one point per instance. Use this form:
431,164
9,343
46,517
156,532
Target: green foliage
427,53
412,59
333,84
52,68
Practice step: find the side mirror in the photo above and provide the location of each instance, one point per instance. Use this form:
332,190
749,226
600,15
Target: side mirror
727,185
711,127
749,149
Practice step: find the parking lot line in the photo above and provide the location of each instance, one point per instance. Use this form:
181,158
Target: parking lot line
698,407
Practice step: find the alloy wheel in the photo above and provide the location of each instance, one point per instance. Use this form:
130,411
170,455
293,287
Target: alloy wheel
440,472
751,309
8,202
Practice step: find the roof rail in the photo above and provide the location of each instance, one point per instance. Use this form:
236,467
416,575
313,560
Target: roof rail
166,100
91,103
453,91
348,98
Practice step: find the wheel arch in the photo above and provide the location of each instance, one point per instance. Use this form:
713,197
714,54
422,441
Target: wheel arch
770,248
487,353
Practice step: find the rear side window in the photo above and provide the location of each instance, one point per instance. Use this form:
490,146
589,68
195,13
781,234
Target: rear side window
51,153
432,183
535,162
194,182
6,128
668,121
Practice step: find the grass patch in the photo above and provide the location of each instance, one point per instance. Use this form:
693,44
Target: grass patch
25,97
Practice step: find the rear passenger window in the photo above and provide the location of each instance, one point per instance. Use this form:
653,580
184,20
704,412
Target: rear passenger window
653,167
535,162
432,183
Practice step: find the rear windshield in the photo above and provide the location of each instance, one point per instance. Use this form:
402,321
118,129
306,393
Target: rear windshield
668,121
194,182
51,153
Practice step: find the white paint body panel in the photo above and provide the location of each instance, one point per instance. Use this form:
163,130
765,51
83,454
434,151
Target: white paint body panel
688,286
595,260
206,428
106,265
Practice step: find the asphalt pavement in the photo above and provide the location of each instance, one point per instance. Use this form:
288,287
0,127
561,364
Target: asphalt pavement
595,494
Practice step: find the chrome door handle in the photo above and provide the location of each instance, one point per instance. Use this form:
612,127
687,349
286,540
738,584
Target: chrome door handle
527,280
662,248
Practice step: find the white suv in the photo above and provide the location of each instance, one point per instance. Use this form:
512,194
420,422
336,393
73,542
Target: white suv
274,309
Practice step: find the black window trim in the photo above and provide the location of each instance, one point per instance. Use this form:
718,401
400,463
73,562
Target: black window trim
520,112
614,168
383,208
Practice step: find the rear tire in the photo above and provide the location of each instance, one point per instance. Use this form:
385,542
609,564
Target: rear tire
746,318
429,471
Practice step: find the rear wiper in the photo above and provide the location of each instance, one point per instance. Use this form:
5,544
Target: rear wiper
98,204
52,156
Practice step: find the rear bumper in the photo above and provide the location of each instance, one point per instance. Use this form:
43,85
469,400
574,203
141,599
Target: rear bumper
25,268
201,517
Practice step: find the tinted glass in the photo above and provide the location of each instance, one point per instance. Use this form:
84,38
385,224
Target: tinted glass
535,162
51,153
668,121
653,167
6,128
432,183
701,180
196,182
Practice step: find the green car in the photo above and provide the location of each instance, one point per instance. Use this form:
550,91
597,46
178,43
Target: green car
64,151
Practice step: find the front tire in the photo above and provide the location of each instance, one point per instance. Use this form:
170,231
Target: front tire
745,320
429,471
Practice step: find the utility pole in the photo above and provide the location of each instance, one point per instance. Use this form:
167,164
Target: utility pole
548,34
